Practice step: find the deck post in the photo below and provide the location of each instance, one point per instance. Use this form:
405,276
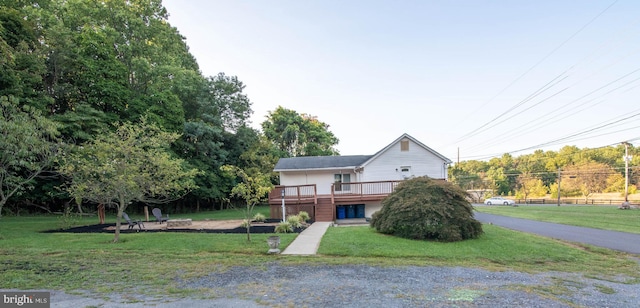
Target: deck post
283,208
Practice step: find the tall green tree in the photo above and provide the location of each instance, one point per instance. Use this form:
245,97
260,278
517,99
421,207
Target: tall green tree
215,133
27,147
225,104
22,63
299,134
134,163
255,153
202,146
121,57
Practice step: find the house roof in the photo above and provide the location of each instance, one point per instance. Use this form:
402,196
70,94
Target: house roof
320,162
345,161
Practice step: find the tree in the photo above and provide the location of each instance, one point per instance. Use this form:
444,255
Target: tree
538,164
202,146
585,178
82,123
119,57
423,209
22,64
133,163
530,186
225,104
499,180
299,134
615,183
27,147
253,189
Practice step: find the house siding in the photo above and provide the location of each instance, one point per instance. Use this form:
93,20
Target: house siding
387,165
372,207
323,179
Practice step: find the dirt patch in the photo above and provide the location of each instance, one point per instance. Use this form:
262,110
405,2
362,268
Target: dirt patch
195,225
203,226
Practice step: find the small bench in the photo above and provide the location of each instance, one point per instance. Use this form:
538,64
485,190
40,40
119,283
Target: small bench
178,222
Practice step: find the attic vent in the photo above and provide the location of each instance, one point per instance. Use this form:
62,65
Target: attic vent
404,145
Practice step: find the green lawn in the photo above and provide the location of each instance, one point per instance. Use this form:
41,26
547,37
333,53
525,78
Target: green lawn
497,248
152,261
600,217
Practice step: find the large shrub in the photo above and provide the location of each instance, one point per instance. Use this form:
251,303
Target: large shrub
427,209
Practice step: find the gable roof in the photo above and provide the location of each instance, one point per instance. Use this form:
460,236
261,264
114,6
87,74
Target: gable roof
320,162
405,135
343,162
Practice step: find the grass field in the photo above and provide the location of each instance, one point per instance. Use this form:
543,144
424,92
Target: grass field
600,217
30,259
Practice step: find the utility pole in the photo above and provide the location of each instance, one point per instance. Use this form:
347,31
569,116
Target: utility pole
559,177
626,171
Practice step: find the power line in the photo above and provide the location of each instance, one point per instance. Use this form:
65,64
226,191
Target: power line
527,99
534,66
537,123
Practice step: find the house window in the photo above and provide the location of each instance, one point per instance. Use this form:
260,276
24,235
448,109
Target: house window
405,171
340,180
404,145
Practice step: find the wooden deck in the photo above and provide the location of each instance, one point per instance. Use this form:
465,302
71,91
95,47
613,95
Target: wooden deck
323,207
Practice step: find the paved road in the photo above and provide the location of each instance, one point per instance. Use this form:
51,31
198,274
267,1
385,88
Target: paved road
622,241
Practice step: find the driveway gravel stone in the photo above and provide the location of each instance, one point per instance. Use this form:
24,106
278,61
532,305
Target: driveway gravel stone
275,285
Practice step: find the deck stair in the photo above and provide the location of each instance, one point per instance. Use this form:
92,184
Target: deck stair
325,210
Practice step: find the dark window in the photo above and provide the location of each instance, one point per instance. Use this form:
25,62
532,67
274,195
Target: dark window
404,145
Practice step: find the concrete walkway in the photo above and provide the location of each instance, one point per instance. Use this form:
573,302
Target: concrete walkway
308,241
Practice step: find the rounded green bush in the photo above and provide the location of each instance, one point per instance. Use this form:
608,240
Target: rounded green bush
427,209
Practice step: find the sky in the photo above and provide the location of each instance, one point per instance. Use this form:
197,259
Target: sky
471,79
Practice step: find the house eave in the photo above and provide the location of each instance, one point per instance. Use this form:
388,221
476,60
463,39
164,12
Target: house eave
316,169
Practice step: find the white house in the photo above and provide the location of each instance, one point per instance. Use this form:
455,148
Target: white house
352,186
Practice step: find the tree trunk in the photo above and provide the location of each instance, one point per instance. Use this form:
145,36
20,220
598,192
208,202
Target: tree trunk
116,238
79,205
3,201
101,213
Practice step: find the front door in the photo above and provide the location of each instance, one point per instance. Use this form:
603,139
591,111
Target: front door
340,180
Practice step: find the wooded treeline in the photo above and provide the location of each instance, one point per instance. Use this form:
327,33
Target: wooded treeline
90,66
582,172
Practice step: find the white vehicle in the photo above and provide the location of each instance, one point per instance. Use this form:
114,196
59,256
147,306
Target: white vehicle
499,200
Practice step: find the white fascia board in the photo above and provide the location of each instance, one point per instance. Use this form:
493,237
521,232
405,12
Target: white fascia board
316,169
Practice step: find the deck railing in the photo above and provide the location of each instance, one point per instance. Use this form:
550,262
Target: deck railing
299,194
363,188
295,193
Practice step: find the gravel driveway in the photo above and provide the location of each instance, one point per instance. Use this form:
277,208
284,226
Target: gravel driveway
274,285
